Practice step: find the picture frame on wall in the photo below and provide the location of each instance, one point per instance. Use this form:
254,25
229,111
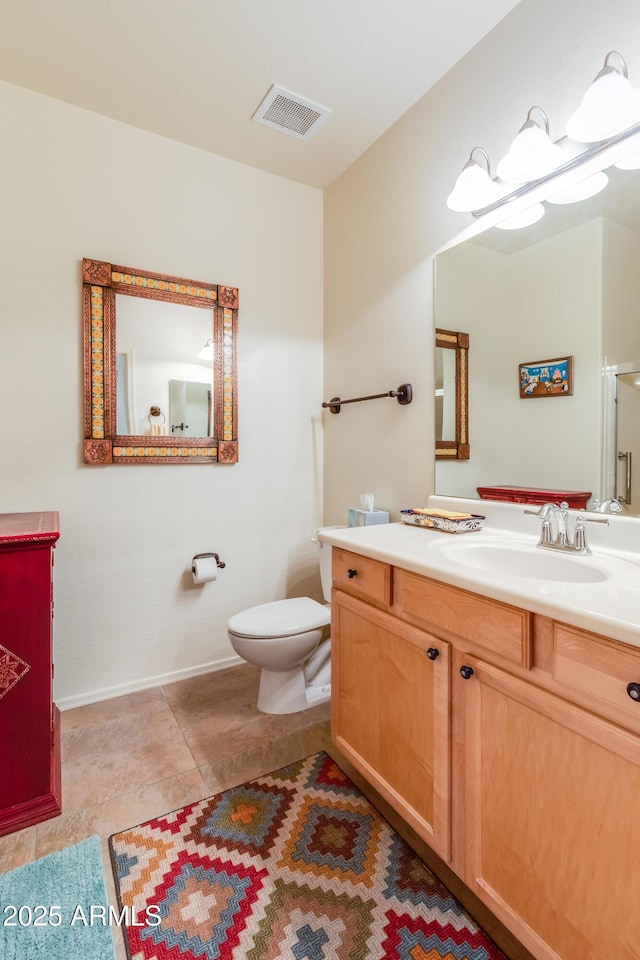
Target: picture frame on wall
546,378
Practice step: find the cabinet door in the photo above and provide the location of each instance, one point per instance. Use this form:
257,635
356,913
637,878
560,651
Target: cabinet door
552,796
390,712
25,707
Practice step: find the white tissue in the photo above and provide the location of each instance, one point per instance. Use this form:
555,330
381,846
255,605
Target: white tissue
366,501
204,569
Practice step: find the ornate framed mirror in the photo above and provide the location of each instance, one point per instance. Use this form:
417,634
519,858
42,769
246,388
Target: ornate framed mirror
132,363
452,395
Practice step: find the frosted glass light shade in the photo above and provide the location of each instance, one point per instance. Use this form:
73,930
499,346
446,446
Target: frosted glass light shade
207,351
531,155
581,190
609,106
474,189
629,163
523,219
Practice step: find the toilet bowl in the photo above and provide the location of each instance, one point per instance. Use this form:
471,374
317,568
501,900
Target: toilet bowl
289,640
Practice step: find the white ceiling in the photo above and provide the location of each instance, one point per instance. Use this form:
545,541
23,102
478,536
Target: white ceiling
196,70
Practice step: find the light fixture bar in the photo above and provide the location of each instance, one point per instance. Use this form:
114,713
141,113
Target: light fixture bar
574,163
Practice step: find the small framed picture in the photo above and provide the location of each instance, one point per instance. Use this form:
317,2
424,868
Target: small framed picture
546,378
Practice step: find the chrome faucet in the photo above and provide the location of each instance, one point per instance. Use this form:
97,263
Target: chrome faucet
560,539
607,506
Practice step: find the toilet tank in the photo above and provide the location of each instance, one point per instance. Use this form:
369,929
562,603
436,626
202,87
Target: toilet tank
325,562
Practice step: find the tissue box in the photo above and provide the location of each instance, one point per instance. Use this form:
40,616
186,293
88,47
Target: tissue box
357,517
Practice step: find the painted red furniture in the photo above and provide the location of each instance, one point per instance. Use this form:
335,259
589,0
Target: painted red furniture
29,720
576,499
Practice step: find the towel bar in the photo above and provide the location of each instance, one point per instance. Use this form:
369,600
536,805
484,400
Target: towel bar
404,395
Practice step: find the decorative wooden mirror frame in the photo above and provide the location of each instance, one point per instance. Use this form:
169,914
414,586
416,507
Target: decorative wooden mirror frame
102,445
458,449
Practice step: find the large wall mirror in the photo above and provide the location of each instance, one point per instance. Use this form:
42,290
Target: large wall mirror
567,286
160,367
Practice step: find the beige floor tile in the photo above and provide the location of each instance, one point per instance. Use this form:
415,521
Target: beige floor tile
121,812
222,691
129,705
17,849
219,717
105,759
264,757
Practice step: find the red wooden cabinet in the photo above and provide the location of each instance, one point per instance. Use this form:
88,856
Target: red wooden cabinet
576,499
29,720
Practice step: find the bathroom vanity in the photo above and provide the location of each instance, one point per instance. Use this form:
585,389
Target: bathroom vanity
499,714
29,720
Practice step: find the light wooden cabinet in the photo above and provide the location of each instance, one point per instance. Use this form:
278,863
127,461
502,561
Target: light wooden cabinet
515,753
550,795
390,712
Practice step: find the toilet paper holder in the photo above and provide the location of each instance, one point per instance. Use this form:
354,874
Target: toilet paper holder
199,556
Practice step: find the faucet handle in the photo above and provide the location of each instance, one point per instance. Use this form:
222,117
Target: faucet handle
546,533
579,537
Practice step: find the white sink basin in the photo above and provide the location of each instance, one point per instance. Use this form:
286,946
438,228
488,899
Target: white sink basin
522,560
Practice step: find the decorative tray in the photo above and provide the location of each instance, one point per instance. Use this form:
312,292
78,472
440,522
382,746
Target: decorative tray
443,520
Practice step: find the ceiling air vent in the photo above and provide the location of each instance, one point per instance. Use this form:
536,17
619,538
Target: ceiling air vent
290,113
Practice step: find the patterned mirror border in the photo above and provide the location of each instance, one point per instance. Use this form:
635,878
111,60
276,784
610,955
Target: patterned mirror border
101,282
458,449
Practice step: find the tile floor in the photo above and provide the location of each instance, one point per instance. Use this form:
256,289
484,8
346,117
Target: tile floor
135,757
132,758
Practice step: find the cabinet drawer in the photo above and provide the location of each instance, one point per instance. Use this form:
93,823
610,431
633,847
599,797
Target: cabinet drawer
493,626
596,667
365,578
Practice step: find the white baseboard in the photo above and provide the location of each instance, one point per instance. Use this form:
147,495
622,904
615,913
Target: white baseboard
107,693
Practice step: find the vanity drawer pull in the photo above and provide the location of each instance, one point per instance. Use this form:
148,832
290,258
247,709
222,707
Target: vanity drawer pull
351,573
466,672
633,689
433,653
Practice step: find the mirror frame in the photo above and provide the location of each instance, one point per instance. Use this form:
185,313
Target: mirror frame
102,445
458,449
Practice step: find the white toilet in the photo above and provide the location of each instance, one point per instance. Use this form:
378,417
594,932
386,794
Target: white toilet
288,639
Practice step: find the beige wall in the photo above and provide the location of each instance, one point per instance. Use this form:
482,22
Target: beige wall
621,294
78,185
386,217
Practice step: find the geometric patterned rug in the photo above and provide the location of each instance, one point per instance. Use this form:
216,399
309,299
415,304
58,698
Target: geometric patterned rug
296,864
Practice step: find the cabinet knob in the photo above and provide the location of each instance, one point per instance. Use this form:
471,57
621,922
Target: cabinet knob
351,573
633,689
433,653
466,672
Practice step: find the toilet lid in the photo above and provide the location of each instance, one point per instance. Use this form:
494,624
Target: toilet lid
282,618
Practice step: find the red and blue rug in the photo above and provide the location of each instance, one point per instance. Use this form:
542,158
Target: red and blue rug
296,864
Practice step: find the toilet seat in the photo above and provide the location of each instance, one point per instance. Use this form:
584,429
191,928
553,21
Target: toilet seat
282,618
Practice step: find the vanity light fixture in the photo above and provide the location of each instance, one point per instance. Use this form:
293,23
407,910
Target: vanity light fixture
609,106
207,351
474,187
604,131
581,190
629,163
523,219
532,154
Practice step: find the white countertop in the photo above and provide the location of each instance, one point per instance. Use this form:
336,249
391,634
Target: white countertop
609,606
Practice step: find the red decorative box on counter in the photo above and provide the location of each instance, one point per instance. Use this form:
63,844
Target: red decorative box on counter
29,720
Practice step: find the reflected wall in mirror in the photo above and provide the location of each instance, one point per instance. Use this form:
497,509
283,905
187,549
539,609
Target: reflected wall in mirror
451,395
144,332
566,286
